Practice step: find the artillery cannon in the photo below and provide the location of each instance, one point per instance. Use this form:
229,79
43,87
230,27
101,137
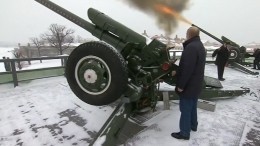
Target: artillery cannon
237,52
126,66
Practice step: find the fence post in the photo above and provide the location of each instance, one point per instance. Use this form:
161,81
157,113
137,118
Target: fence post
14,73
65,61
174,55
166,100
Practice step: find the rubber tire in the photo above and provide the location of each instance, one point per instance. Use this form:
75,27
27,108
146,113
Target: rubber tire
114,61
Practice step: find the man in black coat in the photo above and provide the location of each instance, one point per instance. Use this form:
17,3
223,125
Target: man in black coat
222,54
257,59
190,76
6,64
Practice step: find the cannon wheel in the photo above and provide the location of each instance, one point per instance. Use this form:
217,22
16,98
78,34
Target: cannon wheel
96,73
234,54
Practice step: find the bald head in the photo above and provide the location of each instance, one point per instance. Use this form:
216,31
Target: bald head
192,32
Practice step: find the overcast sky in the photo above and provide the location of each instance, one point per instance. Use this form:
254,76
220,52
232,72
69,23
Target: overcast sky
238,20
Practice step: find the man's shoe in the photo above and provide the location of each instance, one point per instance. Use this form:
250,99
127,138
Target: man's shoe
222,79
179,136
253,68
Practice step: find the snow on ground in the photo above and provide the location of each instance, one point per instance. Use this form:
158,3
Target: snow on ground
46,112
36,64
46,63
6,52
224,127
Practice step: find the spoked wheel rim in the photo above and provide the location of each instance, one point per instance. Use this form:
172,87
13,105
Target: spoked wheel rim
93,75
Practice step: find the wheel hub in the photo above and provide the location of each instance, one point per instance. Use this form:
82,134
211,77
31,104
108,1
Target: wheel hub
90,76
233,54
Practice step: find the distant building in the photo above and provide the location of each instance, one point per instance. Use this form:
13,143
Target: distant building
175,43
31,51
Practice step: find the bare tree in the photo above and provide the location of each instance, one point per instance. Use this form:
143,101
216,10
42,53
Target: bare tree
59,36
38,43
81,40
17,54
28,52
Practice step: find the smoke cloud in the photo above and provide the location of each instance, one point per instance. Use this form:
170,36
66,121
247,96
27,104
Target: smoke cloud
164,21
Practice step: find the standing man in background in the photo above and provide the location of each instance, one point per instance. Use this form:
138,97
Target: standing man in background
257,59
7,64
190,76
222,54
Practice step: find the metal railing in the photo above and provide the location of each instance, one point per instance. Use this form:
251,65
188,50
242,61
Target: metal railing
15,76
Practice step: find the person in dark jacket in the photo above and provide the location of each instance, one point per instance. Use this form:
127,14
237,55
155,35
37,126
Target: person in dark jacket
190,76
6,64
257,59
222,54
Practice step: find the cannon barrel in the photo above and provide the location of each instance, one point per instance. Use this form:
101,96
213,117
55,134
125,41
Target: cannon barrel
225,39
108,24
68,15
222,40
104,27
207,33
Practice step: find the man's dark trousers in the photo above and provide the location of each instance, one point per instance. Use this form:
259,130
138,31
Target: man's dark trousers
188,120
256,64
221,68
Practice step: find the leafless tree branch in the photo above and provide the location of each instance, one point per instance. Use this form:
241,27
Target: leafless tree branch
59,37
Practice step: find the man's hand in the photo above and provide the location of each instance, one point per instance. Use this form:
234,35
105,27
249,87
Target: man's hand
179,89
226,65
173,73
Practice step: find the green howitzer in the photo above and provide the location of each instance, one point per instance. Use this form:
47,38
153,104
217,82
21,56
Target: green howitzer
127,64
222,40
237,52
126,67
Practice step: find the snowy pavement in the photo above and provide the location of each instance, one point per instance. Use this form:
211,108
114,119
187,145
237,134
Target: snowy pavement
45,112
